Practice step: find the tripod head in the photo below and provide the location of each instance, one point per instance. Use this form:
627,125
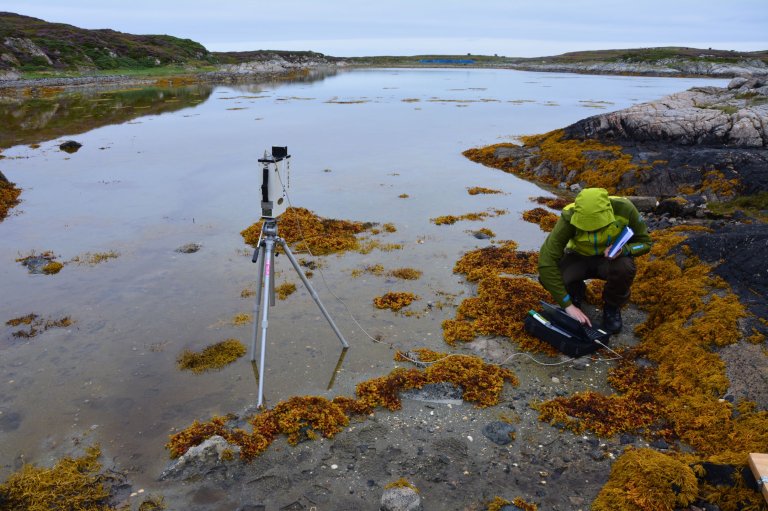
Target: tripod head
275,180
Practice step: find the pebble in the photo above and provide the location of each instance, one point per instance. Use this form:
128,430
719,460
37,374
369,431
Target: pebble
334,467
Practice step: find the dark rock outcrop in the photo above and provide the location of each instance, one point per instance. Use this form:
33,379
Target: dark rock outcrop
707,141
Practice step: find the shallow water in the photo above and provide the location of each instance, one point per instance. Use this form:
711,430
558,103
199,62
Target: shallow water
144,185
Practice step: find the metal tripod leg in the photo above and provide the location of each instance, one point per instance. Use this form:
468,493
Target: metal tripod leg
267,259
312,291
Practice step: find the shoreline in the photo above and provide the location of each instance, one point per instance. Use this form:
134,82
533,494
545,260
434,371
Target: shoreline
259,71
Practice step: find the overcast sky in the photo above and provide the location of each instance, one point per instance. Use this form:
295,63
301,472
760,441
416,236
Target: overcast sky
513,28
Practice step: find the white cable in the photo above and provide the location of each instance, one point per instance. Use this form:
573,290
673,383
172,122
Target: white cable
327,287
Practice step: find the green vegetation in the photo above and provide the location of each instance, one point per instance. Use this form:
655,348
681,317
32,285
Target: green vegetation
34,45
653,55
753,205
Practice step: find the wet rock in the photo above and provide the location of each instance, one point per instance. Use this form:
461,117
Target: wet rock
499,432
643,204
252,507
512,153
189,248
481,235
202,460
736,82
10,421
70,146
400,499
443,392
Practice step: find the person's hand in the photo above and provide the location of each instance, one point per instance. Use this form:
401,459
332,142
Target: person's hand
608,250
577,314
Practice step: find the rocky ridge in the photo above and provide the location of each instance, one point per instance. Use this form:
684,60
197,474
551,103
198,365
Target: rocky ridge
707,142
663,67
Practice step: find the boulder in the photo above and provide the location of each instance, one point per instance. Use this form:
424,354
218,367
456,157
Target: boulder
737,82
499,432
202,460
643,204
400,499
70,146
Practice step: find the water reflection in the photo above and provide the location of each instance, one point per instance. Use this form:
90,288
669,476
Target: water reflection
34,120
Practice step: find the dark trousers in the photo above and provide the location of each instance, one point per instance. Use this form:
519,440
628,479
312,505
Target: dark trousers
618,275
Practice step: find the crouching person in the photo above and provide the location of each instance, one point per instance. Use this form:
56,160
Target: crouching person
577,250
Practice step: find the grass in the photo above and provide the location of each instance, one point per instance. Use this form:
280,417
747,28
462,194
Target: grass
753,205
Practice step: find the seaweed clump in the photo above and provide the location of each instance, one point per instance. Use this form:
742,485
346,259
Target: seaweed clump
647,480
671,384
502,301
541,216
307,232
474,217
44,262
394,300
498,503
402,483
37,324
9,196
493,260
307,417
557,203
95,258
477,190
72,483
213,357
405,273
285,290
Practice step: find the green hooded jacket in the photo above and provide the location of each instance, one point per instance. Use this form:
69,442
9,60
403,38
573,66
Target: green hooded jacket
587,227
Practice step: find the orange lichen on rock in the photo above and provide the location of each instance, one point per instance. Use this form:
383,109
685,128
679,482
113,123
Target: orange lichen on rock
304,230
394,300
541,216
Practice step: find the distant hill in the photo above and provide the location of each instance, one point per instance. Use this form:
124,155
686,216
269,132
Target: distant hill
31,44
654,55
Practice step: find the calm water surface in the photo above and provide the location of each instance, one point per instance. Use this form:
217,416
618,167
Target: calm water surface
185,170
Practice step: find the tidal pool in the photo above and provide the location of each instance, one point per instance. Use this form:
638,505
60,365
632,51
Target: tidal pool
162,168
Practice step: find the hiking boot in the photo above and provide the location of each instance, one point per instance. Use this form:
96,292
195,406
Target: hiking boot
612,319
578,292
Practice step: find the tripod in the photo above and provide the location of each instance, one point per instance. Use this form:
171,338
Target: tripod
265,254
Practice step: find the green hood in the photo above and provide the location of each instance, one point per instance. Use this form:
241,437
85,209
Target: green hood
592,209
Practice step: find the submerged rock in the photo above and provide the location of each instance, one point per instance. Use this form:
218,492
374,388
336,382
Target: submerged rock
443,393
400,499
70,146
189,248
500,433
203,460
